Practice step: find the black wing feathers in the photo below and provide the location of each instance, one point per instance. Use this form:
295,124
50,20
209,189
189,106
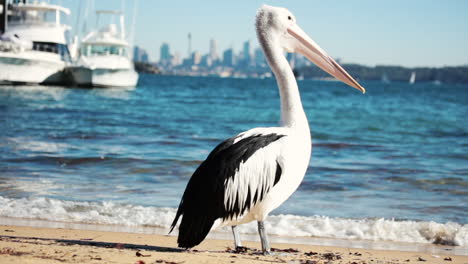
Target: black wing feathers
203,199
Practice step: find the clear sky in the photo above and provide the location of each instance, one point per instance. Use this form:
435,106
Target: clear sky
370,32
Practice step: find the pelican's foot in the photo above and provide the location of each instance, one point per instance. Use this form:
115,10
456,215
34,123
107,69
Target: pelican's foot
241,249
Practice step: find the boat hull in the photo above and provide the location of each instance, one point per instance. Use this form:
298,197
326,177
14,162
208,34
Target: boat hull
16,69
84,76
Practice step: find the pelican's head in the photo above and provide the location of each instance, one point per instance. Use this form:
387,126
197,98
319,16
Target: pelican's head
277,26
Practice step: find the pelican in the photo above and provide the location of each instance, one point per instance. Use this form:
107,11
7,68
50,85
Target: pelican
247,176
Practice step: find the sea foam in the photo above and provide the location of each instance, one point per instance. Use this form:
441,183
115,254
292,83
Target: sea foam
112,213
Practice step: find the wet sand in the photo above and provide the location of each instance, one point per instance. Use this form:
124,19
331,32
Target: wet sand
19,244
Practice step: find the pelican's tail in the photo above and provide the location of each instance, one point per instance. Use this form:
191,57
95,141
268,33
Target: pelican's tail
194,226
193,229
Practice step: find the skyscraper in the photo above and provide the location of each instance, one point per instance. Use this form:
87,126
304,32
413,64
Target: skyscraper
228,58
246,53
189,50
140,55
259,58
213,50
144,57
176,59
196,58
136,53
165,54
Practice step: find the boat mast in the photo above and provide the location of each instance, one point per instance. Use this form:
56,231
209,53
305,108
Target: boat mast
3,16
132,30
122,26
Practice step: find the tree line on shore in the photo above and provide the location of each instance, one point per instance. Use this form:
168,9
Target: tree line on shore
457,74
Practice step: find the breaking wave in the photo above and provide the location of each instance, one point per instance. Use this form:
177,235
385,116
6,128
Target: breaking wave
111,213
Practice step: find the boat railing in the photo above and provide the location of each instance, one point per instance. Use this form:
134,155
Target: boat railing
19,20
36,14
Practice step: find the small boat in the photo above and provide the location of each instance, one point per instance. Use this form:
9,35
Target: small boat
412,77
384,78
104,59
33,43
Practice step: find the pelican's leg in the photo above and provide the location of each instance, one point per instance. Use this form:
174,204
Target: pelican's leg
237,241
263,238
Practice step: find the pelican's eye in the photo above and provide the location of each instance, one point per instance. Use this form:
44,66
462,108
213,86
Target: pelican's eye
289,18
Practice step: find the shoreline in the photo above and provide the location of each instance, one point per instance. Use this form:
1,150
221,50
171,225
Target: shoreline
23,244
220,235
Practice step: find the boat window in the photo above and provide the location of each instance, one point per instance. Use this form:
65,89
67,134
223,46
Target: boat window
90,50
45,46
64,52
32,17
52,47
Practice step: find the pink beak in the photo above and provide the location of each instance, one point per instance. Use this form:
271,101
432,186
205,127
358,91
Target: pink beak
317,55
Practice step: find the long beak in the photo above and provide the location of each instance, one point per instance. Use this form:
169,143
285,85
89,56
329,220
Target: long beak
317,55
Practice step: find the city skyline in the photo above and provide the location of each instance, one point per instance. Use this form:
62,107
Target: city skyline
417,33
245,63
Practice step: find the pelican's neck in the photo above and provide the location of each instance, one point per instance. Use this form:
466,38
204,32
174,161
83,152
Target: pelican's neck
292,112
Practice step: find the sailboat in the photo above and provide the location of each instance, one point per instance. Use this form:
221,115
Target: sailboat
412,77
384,78
104,59
33,43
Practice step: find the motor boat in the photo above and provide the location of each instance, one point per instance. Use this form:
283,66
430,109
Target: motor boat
104,58
33,43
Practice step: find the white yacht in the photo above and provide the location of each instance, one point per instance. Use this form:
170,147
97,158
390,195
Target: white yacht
33,46
104,59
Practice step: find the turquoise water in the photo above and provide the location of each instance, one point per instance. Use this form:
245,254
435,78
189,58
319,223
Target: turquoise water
397,152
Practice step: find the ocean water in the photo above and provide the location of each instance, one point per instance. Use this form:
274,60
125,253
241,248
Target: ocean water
389,165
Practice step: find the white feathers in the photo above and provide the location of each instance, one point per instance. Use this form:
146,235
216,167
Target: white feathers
255,177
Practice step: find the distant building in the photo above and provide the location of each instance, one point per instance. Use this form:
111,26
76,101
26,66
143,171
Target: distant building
196,58
165,53
187,62
246,53
206,61
213,50
144,57
259,58
228,58
140,55
136,53
176,59
189,48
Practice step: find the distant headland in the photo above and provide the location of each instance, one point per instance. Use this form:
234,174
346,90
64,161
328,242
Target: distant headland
247,64
394,73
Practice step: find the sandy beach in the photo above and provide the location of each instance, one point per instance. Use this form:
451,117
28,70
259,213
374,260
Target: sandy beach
19,244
